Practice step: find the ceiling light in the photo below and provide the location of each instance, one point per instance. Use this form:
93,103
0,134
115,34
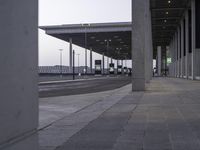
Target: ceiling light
97,40
165,20
167,13
169,2
116,36
92,37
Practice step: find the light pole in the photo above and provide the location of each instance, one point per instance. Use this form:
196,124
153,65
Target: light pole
61,61
78,62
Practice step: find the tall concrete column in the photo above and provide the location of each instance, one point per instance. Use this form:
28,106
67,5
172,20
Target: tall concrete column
91,60
193,8
175,56
107,64
86,60
70,55
179,52
187,44
103,63
148,43
182,48
138,48
19,71
159,63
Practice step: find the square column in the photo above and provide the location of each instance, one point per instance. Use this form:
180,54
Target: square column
182,48
159,63
19,70
193,13
103,63
179,51
176,53
85,60
70,54
187,44
90,60
138,48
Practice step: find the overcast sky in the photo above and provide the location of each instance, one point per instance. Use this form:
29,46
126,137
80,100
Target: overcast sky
57,12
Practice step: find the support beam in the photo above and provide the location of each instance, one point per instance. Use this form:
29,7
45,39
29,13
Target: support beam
167,8
138,48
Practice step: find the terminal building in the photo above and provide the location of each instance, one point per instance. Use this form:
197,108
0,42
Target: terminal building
165,30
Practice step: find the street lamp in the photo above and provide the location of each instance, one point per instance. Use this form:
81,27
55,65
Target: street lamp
61,61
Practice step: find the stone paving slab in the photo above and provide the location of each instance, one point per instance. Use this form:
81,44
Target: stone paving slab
164,117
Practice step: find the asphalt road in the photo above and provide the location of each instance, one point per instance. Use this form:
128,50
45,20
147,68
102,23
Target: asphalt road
82,86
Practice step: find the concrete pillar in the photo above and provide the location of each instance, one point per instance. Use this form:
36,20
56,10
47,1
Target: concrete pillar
187,44
159,63
148,43
193,39
107,64
138,48
179,52
85,60
176,54
103,63
70,55
19,71
182,48
91,60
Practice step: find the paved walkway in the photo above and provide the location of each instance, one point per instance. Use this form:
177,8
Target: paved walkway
165,117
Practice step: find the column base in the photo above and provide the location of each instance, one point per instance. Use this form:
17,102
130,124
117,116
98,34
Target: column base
138,84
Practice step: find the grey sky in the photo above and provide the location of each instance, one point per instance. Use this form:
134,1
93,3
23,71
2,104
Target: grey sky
56,12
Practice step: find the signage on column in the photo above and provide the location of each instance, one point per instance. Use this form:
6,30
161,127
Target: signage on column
119,69
125,70
112,69
97,66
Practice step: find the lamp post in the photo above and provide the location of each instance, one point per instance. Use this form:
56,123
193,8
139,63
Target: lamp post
61,61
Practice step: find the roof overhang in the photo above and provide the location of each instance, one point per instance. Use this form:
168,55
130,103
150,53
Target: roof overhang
95,37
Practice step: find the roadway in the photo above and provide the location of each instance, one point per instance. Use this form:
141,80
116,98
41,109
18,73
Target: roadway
64,88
